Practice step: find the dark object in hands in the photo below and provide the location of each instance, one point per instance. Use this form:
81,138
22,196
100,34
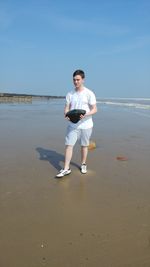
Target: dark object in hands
74,114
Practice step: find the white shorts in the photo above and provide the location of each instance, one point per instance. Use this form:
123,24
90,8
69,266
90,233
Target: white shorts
82,135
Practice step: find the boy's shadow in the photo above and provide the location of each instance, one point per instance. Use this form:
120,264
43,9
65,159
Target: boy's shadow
53,157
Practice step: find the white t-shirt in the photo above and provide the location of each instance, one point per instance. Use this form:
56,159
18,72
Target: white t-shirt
81,100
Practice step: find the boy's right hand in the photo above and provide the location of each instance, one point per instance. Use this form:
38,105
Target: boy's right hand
67,117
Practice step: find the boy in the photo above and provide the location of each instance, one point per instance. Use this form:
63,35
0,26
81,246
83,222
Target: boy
79,98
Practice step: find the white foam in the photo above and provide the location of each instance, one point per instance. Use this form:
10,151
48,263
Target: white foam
126,104
125,98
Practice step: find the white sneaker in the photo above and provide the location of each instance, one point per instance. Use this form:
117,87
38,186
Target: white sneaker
63,172
83,168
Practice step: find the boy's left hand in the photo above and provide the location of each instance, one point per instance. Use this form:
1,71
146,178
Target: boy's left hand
82,116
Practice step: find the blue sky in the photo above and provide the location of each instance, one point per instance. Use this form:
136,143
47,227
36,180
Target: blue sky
42,42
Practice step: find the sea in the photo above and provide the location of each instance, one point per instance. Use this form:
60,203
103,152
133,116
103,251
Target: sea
140,106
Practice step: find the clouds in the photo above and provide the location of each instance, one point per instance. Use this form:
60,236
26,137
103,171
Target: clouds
98,26
129,45
6,19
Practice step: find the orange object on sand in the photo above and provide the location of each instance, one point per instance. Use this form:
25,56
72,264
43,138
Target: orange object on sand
122,158
92,145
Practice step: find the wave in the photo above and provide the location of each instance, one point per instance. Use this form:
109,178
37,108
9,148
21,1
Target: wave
135,103
125,98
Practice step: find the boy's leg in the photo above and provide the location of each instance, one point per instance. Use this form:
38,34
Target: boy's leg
84,153
85,138
68,156
71,138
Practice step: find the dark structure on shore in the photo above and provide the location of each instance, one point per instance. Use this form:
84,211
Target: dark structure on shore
7,97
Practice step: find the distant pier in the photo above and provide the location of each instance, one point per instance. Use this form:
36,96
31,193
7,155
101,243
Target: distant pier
19,98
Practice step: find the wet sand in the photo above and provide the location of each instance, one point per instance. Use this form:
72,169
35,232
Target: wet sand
98,219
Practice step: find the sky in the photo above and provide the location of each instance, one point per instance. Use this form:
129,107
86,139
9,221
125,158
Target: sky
43,42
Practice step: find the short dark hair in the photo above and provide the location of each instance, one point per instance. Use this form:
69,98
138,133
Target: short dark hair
79,72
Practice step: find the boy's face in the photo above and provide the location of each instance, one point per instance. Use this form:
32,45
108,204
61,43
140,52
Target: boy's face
78,81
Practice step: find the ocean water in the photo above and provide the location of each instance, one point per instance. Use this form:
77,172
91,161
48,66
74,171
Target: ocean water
138,103
140,106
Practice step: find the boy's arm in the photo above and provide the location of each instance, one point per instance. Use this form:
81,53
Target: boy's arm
66,109
93,110
92,105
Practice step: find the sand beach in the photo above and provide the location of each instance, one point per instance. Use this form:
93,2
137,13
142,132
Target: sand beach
98,219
